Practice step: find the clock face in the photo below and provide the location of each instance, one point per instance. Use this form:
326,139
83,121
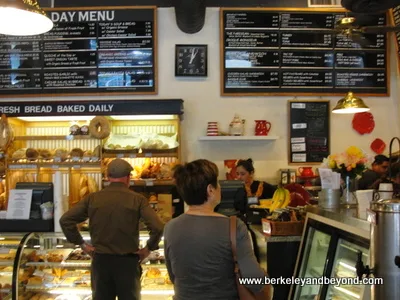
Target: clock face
191,60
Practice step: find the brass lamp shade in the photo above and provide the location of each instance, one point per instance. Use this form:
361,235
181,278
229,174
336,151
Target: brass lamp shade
350,105
23,17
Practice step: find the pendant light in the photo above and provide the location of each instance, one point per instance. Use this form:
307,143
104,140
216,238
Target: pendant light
23,17
350,104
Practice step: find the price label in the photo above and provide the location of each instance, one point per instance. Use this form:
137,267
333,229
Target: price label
4,251
120,155
299,105
148,154
132,155
149,183
76,167
55,166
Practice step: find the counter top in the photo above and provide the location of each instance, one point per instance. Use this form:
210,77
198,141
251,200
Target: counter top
341,218
257,229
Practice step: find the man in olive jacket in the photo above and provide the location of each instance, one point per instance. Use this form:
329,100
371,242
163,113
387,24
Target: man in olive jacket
114,214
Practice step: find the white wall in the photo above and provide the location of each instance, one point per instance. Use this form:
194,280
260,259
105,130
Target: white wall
203,103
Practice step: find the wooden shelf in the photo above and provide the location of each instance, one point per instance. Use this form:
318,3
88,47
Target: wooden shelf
53,137
134,155
146,182
54,165
238,138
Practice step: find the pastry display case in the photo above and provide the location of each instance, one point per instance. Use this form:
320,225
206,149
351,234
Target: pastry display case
8,249
331,245
80,139
48,267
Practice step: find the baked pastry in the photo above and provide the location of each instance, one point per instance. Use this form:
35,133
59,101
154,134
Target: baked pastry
76,152
45,154
83,191
19,154
92,185
35,280
99,127
6,133
153,273
61,154
167,279
54,257
32,154
97,151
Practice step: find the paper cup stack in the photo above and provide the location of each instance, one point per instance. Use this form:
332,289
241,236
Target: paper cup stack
212,129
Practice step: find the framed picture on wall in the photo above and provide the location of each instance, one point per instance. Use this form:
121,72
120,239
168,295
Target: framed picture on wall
191,60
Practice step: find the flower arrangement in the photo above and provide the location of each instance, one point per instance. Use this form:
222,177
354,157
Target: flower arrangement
350,163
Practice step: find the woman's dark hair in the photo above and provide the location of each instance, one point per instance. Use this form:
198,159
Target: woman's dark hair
246,164
192,180
380,159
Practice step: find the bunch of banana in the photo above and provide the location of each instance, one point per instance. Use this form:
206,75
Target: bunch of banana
280,199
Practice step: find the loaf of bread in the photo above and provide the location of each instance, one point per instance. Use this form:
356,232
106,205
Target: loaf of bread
153,273
83,191
92,185
35,280
32,154
19,154
76,152
46,154
61,154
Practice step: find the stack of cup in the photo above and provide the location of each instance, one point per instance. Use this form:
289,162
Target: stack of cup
212,128
364,198
385,191
329,198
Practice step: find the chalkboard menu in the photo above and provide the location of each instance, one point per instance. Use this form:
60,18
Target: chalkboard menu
96,50
309,130
264,52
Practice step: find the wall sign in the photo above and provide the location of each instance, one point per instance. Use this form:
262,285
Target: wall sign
296,52
89,50
309,131
98,108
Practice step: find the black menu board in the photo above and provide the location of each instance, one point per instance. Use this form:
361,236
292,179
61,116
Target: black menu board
89,50
309,129
288,52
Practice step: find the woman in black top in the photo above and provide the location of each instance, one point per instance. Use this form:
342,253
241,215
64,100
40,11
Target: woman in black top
254,188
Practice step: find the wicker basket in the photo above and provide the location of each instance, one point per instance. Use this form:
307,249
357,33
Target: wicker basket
282,228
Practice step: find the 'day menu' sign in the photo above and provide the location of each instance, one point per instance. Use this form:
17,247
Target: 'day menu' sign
88,51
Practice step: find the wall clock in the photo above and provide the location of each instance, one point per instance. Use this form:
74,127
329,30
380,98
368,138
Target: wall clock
190,60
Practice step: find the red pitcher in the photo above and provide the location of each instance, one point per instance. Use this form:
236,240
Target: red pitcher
262,127
306,171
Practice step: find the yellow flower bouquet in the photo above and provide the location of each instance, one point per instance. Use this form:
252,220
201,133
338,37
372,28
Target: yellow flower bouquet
349,163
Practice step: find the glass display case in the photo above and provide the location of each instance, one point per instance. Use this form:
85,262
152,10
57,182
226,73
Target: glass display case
344,267
331,245
316,252
48,267
8,249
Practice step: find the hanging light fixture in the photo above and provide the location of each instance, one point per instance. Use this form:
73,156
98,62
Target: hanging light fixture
23,17
350,104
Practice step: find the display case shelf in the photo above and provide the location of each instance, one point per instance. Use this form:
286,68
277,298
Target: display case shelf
137,154
59,264
59,290
341,291
238,138
53,137
7,263
146,182
52,165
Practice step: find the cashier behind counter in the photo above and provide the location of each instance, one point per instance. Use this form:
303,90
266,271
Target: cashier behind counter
371,178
